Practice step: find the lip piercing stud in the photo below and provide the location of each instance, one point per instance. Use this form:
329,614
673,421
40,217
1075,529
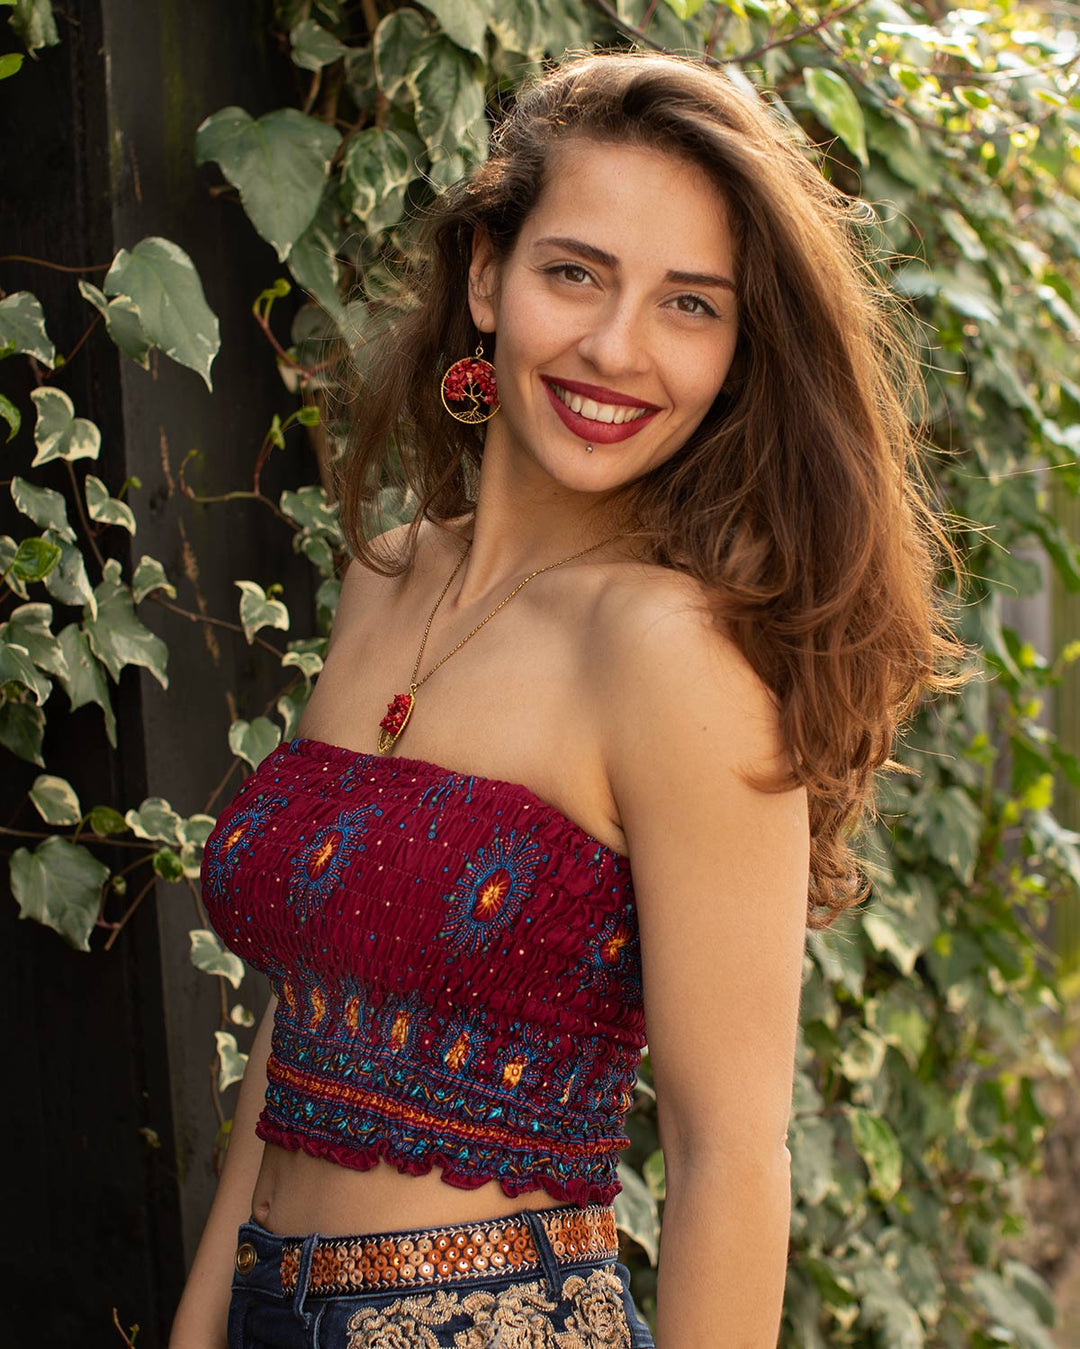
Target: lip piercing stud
588,449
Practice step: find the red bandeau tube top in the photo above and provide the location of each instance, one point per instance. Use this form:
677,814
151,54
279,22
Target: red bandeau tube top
456,963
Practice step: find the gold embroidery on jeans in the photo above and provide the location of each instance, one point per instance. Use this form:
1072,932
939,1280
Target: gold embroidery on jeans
598,1319
403,1324
514,1318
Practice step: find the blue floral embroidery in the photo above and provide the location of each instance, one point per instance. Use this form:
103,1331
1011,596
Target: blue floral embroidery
226,850
615,952
317,868
490,892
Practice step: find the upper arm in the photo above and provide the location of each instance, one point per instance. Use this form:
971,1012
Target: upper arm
720,873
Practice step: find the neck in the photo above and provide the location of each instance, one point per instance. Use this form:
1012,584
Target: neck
517,528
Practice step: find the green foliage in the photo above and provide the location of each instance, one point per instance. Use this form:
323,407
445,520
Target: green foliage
928,1016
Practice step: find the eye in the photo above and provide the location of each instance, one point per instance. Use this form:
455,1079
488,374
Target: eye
695,305
573,272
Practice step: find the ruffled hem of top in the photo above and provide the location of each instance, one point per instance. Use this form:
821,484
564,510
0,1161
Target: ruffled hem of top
574,1191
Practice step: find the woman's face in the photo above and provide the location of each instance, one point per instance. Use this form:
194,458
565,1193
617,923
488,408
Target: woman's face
614,314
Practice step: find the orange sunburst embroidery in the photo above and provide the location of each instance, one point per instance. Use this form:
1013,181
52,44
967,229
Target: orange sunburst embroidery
457,1053
399,1031
318,1007
489,899
512,1072
322,858
236,833
611,950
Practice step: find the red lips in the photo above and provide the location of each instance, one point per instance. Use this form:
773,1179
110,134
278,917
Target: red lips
595,432
599,394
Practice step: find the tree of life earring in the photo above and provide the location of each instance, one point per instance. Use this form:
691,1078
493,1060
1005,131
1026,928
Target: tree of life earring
469,385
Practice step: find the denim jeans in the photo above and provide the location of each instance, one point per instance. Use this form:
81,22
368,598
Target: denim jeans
555,1303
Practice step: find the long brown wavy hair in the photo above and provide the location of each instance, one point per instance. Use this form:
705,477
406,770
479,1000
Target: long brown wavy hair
798,503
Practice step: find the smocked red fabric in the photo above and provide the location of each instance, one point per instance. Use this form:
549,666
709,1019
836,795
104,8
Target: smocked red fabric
457,968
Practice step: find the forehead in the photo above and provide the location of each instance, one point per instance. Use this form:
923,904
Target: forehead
640,203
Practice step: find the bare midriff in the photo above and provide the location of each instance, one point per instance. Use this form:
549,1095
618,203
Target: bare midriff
297,1194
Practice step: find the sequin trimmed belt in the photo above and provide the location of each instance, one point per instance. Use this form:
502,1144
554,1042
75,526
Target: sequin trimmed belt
444,1255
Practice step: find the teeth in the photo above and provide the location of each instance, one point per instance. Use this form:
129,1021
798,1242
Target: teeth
616,413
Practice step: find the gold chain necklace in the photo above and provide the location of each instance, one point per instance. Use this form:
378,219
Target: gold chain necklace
399,710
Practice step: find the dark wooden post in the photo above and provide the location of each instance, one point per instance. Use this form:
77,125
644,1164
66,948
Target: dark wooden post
110,1124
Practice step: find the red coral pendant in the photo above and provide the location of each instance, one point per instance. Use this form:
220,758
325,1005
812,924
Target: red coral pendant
398,712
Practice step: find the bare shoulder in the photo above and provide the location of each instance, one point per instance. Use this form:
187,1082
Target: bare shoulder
669,664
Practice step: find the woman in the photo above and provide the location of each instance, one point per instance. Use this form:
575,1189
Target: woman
675,589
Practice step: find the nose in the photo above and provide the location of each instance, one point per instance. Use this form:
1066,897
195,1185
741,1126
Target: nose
616,342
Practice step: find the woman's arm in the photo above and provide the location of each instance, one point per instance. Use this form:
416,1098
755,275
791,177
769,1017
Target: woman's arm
201,1316
720,877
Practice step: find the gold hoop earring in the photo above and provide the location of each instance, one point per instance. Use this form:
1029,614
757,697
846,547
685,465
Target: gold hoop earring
470,383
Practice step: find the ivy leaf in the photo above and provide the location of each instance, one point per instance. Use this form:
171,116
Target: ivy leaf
59,884
636,1212
879,1148
952,825
155,820
313,259
278,164
117,636
29,625
32,560
150,575
44,506
449,101
684,9
103,821
898,1018
306,656
164,294
101,506
231,1063
258,611
16,667
122,321
22,328
85,681
10,64
11,415
55,800
253,740
811,1143
58,433
313,47
397,39
167,865
837,107
208,955
463,22
67,581
884,1304
1011,1310
376,170
34,22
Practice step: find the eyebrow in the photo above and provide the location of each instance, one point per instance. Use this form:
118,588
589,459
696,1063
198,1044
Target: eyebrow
608,260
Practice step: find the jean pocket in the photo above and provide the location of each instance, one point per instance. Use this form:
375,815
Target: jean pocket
641,1337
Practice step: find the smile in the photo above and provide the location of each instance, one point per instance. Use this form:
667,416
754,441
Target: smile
596,421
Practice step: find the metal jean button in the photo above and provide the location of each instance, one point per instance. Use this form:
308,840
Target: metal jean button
246,1256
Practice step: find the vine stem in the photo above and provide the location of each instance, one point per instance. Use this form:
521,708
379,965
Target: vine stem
119,926
123,1334
217,622
54,266
90,533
